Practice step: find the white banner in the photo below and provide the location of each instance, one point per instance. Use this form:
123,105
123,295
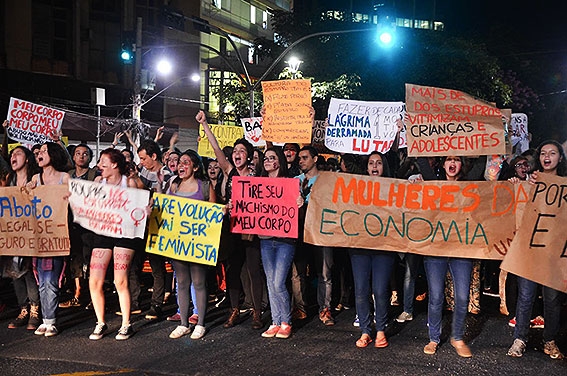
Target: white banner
31,123
519,125
359,127
109,210
253,131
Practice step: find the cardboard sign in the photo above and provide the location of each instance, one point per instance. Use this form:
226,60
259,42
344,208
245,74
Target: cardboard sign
358,127
34,222
185,229
438,218
253,130
287,116
225,135
109,210
31,123
450,122
265,206
539,249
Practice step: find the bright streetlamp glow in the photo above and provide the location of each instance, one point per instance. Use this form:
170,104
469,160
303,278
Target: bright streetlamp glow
386,38
294,64
195,77
164,67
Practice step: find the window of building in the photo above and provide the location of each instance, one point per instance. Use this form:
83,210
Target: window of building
52,24
252,14
264,19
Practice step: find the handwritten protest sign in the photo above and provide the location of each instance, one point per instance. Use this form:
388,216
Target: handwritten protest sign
450,122
287,116
519,132
32,123
539,249
34,222
185,229
359,127
253,130
225,135
109,210
441,218
265,206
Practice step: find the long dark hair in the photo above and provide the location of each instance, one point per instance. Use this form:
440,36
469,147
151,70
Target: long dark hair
561,166
58,156
282,171
385,165
443,174
30,165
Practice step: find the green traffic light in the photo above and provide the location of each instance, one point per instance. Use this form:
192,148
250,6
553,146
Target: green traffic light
126,55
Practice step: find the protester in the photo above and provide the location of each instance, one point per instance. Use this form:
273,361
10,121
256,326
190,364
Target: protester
277,256
551,160
191,183
242,250
53,160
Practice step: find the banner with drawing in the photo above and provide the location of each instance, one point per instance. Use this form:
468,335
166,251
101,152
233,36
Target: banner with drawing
438,218
34,222
449,122
539,249
109,210
253,131
359,127
185,229
31,123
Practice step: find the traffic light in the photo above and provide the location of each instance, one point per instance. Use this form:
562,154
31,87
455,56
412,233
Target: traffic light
127,53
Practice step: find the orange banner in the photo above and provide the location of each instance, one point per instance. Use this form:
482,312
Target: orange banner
438,218
450,122
539,249
287,117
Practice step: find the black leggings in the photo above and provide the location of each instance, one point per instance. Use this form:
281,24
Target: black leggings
187,272
249,252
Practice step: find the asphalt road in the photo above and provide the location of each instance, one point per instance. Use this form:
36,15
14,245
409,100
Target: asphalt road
313,349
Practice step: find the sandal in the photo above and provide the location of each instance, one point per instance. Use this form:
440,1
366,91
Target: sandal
381,341
363,341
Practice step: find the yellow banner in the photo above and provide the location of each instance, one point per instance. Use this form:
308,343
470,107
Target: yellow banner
185,229
225,135
34,222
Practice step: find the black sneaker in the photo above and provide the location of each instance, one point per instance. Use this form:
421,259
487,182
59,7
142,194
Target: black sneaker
98,331
154,313
21,320
124,333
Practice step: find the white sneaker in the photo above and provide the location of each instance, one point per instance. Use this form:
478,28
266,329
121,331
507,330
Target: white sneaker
198,332
404,316
180,331
356,322
51,331
40,331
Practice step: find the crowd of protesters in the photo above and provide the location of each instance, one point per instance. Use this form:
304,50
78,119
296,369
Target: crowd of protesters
256,273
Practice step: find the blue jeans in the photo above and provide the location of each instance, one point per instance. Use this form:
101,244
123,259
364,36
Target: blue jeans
436,270
373,267
411,262
552,300
49,278
323,260
277,257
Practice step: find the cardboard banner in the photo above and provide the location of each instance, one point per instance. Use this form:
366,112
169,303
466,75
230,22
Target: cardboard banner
287,105
31,123
109,210
225,135
265,206
34,222
253,131
437,218
185,229
450,122
358,127
539,249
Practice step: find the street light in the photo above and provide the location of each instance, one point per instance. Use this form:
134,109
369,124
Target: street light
293,64
164,67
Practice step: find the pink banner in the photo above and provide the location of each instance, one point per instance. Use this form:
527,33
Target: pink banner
265,206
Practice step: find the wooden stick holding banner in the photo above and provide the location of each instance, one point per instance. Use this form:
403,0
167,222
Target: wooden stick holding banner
436,218
32,123
185,229
109,210
450,122
265,206
539,249
34,223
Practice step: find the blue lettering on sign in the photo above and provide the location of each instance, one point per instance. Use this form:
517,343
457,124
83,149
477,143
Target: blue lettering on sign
33,209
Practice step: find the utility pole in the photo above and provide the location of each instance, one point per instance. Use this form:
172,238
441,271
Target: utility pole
137,105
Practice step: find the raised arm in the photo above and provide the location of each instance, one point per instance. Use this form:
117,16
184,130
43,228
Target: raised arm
223,163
